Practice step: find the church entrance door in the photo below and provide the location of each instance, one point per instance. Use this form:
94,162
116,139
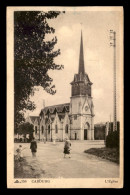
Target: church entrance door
75,136
85,134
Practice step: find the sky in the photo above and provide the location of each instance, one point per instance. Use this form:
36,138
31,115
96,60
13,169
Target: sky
98,57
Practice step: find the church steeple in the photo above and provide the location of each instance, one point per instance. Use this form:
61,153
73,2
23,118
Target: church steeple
81,85
81,105
81,57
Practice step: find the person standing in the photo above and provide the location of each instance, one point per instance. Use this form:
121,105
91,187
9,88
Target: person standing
44,139
67,148
33,147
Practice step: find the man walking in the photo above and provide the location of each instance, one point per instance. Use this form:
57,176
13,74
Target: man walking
33,147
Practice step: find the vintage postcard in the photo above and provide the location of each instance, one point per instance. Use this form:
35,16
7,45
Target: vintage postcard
65,97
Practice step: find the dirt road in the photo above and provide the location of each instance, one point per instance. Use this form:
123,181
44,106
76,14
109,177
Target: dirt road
50,162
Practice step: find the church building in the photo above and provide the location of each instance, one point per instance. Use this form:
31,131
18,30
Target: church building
73,120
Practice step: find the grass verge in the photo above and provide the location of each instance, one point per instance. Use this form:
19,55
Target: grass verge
23,170
111,154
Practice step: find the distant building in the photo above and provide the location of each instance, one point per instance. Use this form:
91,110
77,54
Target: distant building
74,120
100,131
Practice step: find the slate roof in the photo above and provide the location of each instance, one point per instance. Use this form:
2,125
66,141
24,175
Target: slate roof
57,108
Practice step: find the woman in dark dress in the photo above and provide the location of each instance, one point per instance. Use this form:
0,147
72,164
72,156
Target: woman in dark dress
67,148
33,147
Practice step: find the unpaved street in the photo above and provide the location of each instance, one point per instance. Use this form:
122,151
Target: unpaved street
50,162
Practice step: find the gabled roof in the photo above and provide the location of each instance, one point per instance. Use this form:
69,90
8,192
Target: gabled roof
51,119
33,118
48,120
58,108
61,116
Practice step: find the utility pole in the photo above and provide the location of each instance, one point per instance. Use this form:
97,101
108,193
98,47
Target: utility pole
110,123
39,128
113,44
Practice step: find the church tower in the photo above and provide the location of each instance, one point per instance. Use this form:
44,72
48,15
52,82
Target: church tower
81,104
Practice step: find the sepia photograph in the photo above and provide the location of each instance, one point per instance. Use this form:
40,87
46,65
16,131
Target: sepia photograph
65,97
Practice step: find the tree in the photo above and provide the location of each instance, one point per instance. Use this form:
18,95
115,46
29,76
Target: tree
33,57
25,128
113,139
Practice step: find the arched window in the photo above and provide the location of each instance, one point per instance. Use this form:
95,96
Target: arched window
35,129
56,129
87,125
42,129
66,128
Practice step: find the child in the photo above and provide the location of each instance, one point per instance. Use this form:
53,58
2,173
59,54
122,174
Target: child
19,154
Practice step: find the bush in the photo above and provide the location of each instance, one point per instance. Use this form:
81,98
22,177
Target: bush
112,140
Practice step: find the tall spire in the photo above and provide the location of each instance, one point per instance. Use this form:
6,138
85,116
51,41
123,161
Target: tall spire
81,57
